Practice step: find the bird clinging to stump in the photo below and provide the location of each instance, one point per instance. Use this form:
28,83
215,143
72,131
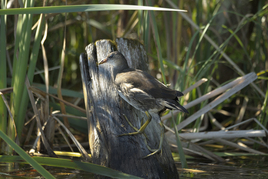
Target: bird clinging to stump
142,91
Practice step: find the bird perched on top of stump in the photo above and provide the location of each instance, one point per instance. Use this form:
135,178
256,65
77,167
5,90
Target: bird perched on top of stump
143,92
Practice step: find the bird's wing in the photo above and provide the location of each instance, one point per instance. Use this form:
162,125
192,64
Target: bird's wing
135,96
148,84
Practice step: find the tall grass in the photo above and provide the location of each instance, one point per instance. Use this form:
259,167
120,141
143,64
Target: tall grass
23,52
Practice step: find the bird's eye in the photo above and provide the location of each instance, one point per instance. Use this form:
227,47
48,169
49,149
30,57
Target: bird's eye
111,56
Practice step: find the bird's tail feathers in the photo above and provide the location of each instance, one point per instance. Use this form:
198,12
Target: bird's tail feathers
179,94
175,105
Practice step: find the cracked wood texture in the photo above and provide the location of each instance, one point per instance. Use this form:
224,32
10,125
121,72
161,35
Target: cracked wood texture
105,111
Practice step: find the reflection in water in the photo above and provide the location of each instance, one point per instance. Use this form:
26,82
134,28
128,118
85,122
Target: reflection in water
236,167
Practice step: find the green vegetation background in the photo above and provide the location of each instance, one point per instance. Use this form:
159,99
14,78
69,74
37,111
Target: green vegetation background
179,54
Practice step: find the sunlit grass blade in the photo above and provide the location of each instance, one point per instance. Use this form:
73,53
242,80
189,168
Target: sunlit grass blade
81,8
25,156
73,164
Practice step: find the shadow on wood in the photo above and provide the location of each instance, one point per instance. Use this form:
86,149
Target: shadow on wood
105,111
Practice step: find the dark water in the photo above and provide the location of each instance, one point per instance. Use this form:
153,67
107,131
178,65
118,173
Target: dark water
249,167
26,171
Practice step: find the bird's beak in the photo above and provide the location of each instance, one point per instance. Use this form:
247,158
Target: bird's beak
103,61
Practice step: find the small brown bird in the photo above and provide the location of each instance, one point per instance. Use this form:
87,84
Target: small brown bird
142,91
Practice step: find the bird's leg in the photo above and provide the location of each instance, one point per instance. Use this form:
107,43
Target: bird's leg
131,125
141,130
160,143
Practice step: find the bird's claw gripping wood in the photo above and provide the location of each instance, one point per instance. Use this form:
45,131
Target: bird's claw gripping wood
141,131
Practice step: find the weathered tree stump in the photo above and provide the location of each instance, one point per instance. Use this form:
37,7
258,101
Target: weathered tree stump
105,111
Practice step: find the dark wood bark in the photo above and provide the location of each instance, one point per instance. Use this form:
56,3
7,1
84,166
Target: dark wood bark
105,111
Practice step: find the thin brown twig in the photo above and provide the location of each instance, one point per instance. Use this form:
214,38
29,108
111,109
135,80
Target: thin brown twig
6,90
